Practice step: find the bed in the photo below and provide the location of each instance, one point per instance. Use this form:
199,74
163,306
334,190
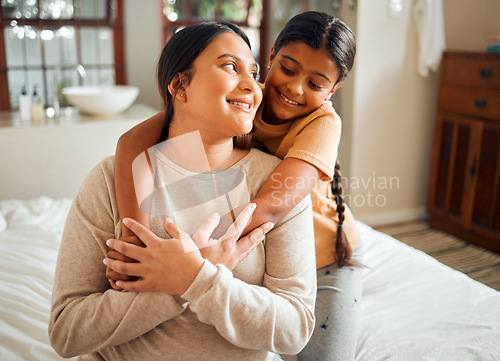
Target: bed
413,307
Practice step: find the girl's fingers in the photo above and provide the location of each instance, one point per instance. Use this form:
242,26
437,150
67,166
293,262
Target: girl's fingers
129,269
133,286
113,285
202,235
238,226
171,229
126,249
140,231
174,232
118,256
115,276
247,244
132,240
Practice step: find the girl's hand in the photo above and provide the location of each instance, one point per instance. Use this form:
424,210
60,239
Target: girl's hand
164,265
229,250
113,276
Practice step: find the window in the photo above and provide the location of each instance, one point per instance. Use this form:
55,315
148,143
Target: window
248,14
39,39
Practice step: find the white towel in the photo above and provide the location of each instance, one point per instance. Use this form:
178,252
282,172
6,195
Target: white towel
429,20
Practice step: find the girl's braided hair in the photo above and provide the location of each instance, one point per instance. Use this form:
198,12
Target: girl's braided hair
342,248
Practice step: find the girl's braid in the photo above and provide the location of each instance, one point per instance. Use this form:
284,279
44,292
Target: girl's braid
342,248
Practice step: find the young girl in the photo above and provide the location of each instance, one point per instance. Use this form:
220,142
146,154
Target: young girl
309,60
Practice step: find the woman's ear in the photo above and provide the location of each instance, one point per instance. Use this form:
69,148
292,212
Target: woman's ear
177,88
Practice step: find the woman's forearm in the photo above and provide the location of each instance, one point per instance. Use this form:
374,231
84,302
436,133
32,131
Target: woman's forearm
86,324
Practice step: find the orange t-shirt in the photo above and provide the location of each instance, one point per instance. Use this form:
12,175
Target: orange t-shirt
314,139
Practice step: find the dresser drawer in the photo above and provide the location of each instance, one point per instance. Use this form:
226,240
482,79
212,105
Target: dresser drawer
478,103
469,69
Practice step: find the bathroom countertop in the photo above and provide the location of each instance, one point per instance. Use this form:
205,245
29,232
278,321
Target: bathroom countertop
71,116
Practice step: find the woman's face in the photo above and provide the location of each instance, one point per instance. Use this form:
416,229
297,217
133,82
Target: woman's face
300,79
223,95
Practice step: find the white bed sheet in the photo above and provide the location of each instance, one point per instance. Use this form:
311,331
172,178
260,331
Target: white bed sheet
413,307
416,308
28,249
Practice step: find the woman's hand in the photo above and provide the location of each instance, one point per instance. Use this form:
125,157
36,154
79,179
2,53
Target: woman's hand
164,265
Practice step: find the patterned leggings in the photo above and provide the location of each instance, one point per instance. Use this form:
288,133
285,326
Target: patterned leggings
337,312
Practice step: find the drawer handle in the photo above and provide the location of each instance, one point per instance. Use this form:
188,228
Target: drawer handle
480,103
485,73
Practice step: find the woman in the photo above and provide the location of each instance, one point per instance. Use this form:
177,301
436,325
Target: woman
201,311
310,59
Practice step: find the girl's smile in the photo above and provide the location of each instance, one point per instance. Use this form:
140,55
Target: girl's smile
287,101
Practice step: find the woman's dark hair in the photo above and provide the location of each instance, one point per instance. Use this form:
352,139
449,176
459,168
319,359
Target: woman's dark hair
321,30
178,56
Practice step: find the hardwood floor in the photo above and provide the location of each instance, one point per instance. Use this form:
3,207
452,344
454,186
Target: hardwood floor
476,262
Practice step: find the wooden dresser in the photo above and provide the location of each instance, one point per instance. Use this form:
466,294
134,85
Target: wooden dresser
464,186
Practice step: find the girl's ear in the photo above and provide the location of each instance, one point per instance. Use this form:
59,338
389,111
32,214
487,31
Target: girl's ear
335,88
177,88
271,58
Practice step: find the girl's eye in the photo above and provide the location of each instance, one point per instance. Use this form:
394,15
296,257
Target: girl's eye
314,86
255,75
286,70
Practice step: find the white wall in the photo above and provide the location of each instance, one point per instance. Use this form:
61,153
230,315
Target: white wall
392,121
469,22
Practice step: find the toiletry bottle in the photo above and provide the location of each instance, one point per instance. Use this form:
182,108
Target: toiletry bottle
25,105
36,108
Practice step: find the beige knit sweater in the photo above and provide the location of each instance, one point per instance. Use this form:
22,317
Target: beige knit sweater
265,306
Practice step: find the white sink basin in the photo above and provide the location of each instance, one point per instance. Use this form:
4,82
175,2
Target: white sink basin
101,100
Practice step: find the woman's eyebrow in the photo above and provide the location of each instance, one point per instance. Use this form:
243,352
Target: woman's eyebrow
298,64
229,56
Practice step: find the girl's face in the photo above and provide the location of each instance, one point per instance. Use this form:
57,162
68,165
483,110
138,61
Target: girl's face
223,95
300,79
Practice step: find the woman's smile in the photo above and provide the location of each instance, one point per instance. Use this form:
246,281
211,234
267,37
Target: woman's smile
243,104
